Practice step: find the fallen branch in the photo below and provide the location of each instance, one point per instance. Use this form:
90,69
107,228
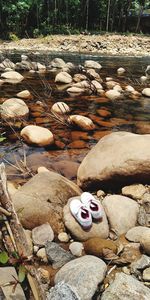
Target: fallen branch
16,235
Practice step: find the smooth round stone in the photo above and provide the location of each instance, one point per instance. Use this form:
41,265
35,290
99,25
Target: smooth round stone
92,64
120,71
143,79
146,92
129,88
75,90
63,237
113,94
76,248
14,108
97,85
12,75
84,274
60,108
42,255
118,88
146,274
42,234
79,77
24,94
40,136
63,77
82,122
110,84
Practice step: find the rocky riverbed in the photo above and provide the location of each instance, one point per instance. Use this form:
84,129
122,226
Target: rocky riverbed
107,44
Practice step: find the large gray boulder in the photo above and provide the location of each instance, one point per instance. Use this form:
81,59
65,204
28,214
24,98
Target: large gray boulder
83,274
126,287
42,199
118,158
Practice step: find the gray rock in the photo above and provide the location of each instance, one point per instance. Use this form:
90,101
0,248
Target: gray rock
121,211
42,199
136,233
140,264
117,158
57,255
42,234
84,274
62,291
7,274
126,287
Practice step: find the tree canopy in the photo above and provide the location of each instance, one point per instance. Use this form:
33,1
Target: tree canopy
24,18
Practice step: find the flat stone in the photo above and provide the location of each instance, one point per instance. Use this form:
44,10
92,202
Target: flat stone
84,274
7,274
122,212
42,234
57,255
126,287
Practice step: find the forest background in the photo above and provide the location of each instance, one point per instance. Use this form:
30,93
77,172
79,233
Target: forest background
34,18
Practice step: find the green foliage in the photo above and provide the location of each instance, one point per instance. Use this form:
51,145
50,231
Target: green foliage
22,273
13,37
4,257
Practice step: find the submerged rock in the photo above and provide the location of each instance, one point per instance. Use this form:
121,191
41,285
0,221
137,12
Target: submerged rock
40,136
12,75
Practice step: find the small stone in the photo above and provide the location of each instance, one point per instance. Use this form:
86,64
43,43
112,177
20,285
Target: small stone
60,108
100,193
57,255
146,92
42,255
146,274
121,71
136,191
143,78
35,249
126,270
63,77
113,95
76,248
42,169
40,136
63,237
145,242
92,64
44,275
24,94
42,234
14,108
129,88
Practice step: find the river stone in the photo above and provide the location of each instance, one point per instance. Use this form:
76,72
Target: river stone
38,135
75,89
135,191
122,212
42,199
113,94
96,246
120,71
126,287
56,255
99,229
94,75
79,77
58,63
42,234
140,264
25,94
7,274
62,291
60,108
136,233
97,85
146,92
111,83
92,64
12,75
118,158
81,121
14,108
63,77
6,63
84,274
76,248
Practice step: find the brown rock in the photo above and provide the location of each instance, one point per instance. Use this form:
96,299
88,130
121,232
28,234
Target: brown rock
95,246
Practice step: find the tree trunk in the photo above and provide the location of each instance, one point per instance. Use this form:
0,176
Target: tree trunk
139,18
87,15
108,13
